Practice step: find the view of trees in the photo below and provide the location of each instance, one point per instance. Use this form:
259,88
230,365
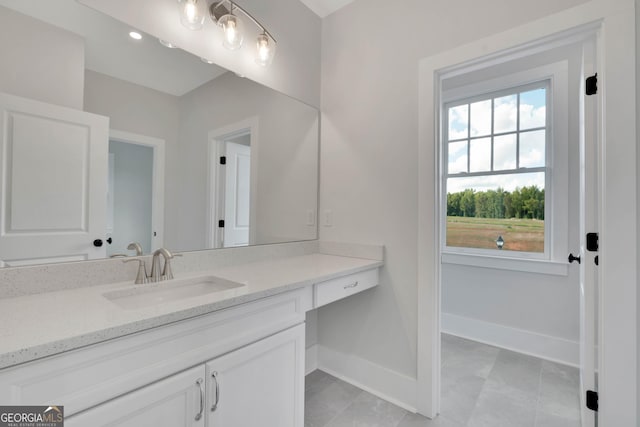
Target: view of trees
526,202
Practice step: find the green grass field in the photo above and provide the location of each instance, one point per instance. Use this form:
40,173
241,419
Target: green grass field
525,235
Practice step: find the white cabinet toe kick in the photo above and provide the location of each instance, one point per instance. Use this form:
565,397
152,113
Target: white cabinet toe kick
242,365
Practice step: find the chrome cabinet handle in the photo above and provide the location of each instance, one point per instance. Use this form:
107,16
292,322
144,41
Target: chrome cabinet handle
214,375
353,285
199,384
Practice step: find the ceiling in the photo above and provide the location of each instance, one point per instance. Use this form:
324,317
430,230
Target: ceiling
109,50
323,8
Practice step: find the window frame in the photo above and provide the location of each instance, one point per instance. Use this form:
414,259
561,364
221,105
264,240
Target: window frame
556,178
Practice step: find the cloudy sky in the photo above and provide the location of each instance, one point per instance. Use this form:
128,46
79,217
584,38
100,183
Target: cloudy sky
477,125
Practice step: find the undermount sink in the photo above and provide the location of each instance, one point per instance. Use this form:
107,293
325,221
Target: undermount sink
151,294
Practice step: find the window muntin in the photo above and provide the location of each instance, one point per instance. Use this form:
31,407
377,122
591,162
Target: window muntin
496,170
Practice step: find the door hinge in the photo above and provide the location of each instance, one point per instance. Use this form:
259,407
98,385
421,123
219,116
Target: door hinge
592,400
223,160
221,223
591,87
593,242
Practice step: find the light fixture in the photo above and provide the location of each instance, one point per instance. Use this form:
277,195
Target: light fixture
207,61
190,14
266,50
223,13
500,242
233,30
135,35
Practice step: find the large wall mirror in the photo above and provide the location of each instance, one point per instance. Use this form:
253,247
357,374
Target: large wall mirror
196,157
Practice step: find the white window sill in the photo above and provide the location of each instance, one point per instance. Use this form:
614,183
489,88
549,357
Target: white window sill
503,263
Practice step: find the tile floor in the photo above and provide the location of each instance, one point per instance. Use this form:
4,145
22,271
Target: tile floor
481,386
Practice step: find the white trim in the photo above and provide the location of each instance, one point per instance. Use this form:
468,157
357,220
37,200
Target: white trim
617,358
213,237
388,385
513,264
311,359
157,210
547,347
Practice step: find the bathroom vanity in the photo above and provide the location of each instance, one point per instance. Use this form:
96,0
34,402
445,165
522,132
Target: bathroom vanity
233,356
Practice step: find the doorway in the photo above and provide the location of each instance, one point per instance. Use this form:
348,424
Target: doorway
232,184
540,279
135,197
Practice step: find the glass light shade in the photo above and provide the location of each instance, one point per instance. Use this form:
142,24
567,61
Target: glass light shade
190,14
233,34
266,50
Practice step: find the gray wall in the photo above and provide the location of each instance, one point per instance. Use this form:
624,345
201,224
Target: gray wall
40,61
136,109
286,157
370,149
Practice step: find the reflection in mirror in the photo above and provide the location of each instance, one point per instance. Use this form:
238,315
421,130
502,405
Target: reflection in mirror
191,157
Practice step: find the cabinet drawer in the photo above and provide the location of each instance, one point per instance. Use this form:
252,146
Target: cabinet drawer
335,289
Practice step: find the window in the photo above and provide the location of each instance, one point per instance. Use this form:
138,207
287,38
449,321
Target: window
496,149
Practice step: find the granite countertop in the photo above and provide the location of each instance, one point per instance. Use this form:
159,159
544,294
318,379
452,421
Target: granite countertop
36,326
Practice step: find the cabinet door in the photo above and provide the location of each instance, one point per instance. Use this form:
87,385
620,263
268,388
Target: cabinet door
176,401
259,385
53,182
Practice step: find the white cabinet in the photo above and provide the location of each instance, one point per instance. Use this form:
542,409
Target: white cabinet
177,401
259,385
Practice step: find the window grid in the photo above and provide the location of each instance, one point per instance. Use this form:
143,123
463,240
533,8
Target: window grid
515,91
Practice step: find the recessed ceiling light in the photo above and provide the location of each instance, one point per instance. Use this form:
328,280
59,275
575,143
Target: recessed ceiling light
167,44
207,61
135,35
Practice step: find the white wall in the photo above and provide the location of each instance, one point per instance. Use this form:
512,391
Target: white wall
370,146
286,157
133,183
40,61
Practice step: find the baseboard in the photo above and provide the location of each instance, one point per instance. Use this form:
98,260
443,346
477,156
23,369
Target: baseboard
388,385
546,347
311,359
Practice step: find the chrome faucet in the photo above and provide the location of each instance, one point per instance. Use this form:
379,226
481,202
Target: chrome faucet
135,246
166,274
141,277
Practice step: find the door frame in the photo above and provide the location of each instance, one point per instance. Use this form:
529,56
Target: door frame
614,26
215,177
157,197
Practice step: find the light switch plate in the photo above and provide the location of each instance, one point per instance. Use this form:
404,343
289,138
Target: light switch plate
328,218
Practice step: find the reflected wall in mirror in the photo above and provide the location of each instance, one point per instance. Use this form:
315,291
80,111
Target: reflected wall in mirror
191,157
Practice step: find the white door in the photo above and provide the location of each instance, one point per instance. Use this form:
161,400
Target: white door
589,201
259,385
177,401
237,195
53,183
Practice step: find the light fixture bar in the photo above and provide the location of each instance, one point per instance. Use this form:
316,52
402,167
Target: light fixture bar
217,11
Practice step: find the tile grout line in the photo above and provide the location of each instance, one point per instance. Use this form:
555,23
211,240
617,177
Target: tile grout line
345,408
535,414
484,383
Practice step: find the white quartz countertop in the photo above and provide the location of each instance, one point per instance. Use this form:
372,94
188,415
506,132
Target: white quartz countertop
36,326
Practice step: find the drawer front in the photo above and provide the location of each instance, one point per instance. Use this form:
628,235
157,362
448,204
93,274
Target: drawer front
89,376
341,287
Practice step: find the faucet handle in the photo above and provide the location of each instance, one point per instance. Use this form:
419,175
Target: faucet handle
166,271
141,277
